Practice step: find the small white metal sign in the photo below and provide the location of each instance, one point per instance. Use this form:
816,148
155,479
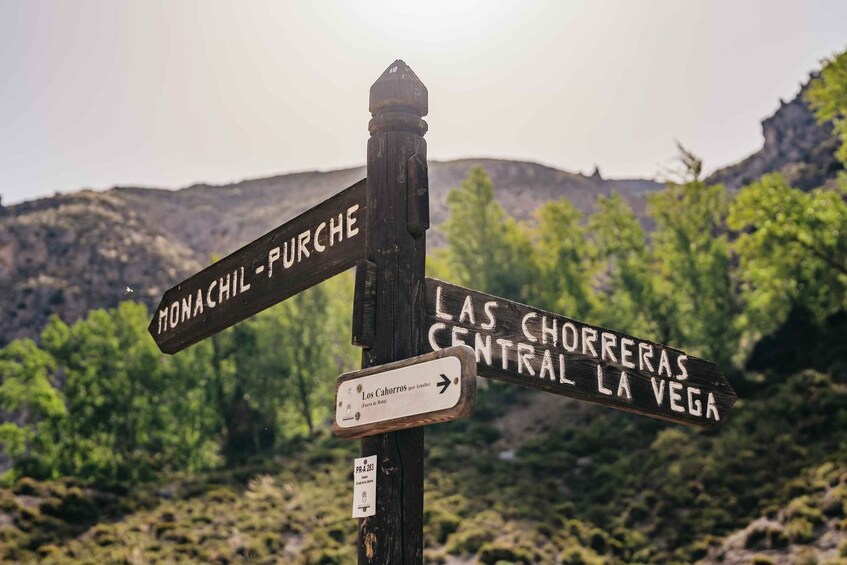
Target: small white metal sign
407,391
364,487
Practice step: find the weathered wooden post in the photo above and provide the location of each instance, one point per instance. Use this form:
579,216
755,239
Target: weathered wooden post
398,216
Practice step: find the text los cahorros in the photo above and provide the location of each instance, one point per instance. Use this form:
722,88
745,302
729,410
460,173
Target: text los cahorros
298,249
564,342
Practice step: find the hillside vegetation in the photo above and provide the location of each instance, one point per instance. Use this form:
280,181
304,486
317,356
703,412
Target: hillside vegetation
222,452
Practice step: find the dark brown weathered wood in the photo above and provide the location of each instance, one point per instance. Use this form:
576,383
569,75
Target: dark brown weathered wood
417,197
364,305
398,100
316,245
529,347
463,409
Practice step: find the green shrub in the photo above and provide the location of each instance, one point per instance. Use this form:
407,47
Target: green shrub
766,537
496,552
473,533
580,556
221,494
800,530
103,535
27,487
803,508
834,501
439,524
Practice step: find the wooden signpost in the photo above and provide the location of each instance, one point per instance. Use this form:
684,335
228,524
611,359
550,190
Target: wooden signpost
379,225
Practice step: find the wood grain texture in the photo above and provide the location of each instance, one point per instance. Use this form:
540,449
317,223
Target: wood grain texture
364,305
660,381
464,408
249,267
397,102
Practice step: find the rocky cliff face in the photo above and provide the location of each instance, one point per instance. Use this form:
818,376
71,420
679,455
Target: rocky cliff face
794,145
67,254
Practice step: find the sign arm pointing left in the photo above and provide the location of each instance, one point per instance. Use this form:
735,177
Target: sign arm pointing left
316,245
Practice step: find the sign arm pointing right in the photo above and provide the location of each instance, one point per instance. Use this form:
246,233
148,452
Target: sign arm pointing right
533,348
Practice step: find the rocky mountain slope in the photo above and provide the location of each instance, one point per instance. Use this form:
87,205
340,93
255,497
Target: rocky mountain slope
70,253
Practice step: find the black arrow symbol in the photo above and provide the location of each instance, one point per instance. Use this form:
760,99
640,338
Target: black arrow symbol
445,382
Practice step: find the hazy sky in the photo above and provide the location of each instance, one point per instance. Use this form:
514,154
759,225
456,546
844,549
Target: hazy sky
100,93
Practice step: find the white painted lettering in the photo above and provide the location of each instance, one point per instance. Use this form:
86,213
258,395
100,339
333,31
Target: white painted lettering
680,362
658,392
504,345
243,287
623,386
467,311
302,240
288,254
673,392
664,363
198,303
645,352
711,408
569,345
174,314
351,231
223,289
439,311
589,336
608,343
209,302
553,332
695,407
562,378
547,366
163,315
482,348
600,387
437,327
186,308
319,247
489,313
456,332
526,333
525,354
273,255
626,353
336,230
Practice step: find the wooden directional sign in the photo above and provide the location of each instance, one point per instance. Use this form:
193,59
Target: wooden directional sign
526,346
312,247
429,388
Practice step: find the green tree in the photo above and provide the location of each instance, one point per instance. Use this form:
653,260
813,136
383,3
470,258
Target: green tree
827,95
29,402
121,419
626,297
793,250
312,352
487,250
696,302
563,256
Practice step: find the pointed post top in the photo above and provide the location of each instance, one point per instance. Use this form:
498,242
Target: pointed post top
398,99
399,86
